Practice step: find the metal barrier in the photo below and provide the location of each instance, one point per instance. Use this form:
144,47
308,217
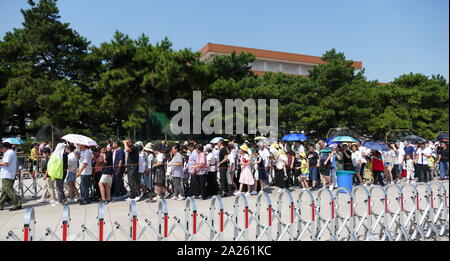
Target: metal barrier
306,223
100,226
190,211
33,188
326,223
284,226
440,210
28,230
238,230
64,227
362,229
393,217
345,218
391,213
423,212
261,229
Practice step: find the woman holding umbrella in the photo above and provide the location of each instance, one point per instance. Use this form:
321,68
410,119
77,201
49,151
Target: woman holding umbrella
348,164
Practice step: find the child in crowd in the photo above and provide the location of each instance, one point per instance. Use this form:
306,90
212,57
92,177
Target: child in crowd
409,166
368,174
304,170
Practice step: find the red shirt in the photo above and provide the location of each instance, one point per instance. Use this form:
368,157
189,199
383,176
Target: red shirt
377,163
291,157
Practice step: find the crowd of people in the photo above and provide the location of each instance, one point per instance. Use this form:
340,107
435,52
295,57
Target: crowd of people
187,169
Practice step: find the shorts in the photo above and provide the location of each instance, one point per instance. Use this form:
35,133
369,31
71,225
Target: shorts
313,173
33,165
324,170
71,177
304,175
388,164
106,179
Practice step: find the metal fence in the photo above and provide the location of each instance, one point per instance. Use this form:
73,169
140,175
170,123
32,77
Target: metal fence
391,213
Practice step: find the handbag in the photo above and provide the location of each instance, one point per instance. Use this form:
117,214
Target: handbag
404,173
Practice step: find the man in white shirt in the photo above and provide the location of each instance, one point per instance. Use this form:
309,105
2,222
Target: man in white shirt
280,172
423,153
8,167
85,171
365,152
265,155
400,157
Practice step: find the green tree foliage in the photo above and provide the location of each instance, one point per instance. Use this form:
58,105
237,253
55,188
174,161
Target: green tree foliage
45,68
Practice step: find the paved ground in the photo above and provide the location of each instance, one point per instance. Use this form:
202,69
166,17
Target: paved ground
49,216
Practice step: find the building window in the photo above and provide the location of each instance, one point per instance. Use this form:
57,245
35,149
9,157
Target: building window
272,67
304,69
257,65
290,68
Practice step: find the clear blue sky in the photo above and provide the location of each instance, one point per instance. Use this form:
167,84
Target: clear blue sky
390,37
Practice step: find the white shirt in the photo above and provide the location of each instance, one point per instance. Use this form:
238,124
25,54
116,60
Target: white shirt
150,159
400,156
86,158
72,162
421,155
388,156
280,160
160,157
364,153
356,156
301,149
265,154
215,152
9,172
141,163
231,160
213,163
410,165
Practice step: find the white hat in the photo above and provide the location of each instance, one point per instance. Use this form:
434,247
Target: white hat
148,146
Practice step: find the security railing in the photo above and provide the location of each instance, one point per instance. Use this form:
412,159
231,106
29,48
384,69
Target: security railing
392,213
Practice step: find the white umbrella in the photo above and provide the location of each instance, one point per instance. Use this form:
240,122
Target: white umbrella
79,139
215,140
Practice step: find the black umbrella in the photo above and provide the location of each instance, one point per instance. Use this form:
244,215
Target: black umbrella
414,138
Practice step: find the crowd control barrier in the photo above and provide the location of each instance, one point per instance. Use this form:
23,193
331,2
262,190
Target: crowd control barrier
396,212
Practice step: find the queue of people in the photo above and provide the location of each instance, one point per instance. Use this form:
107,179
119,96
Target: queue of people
203,170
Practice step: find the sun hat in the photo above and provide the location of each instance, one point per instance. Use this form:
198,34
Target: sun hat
148,146
244,147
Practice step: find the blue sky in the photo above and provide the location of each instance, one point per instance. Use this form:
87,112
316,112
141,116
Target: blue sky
390,37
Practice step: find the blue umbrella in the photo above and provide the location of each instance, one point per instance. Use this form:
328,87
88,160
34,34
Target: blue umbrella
294,137
15,141
375,146
343,139
328,141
